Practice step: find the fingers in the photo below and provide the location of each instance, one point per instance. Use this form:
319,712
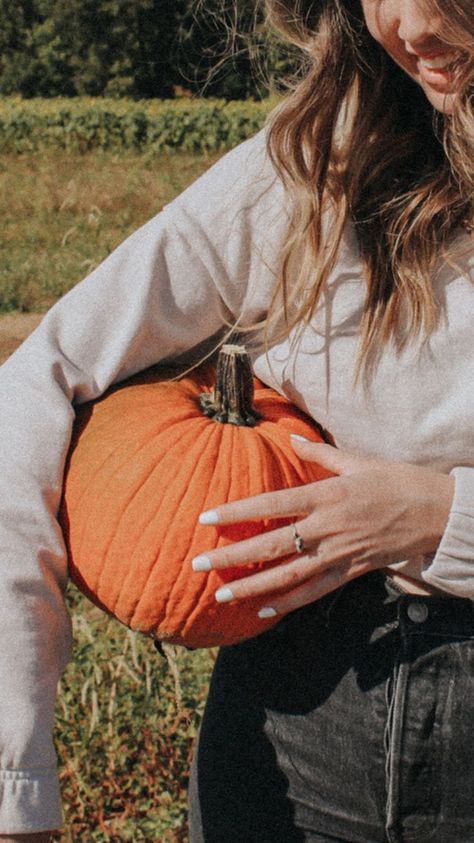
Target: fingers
286,576
298,501
333,524
265,547
267,505
292,584
336,461
313,589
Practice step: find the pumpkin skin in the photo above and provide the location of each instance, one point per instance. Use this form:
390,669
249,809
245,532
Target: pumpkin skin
143,464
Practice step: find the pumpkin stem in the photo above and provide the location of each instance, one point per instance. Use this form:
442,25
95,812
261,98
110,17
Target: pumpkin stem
231,402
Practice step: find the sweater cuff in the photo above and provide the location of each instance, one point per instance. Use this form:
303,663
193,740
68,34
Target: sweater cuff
29,801
452,566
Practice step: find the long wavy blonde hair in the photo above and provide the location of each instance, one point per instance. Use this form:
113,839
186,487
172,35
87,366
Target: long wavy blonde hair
358,138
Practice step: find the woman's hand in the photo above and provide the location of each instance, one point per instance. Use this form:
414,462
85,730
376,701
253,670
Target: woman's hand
370,515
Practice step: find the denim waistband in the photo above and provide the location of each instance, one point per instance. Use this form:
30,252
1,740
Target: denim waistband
446,615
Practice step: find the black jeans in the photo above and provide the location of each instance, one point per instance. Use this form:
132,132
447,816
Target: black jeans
352,720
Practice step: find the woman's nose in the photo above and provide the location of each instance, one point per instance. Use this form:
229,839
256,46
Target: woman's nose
417,25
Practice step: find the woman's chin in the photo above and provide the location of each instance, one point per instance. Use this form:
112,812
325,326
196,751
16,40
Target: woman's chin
442,101
438,92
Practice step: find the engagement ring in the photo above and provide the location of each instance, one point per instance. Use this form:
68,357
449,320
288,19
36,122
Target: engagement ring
299,543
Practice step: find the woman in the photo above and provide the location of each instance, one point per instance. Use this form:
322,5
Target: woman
350,721
350,244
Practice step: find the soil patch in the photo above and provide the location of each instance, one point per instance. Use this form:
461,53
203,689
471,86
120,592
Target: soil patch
14,328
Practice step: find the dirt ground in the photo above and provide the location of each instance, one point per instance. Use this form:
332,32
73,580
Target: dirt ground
14,328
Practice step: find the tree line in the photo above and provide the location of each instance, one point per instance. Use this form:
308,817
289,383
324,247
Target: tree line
136,48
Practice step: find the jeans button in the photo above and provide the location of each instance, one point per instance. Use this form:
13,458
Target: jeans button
417,612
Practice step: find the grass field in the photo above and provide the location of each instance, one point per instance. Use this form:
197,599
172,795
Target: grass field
125,726
126,717
61,214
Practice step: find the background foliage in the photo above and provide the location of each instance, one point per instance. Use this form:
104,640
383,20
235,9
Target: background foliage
84,123
141,49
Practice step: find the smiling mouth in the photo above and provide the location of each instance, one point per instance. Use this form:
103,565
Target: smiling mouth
437,71
440,64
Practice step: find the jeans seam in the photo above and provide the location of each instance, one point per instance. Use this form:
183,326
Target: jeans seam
396,696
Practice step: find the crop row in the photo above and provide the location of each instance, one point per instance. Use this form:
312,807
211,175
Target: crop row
83,124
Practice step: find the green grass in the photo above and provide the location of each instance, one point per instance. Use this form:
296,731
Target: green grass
125,726
61,214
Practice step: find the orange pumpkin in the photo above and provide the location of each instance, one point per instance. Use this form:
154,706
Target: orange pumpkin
144,462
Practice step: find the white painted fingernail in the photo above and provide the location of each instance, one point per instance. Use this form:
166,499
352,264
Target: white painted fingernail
224,594
299,438
201,563
209,517
267,612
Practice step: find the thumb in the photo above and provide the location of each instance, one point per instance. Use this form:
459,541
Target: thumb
336,461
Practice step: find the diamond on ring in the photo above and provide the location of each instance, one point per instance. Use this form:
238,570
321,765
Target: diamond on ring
299,543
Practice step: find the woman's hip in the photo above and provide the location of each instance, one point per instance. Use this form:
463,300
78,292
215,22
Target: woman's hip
352,719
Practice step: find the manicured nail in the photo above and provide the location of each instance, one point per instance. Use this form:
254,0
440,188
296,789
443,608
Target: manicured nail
201,563
210,517
224,594
267,612
299,438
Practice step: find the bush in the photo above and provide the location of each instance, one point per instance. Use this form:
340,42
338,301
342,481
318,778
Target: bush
83,124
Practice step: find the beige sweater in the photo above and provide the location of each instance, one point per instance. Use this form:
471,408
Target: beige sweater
209,257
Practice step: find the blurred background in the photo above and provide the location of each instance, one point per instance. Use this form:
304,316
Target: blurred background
139,49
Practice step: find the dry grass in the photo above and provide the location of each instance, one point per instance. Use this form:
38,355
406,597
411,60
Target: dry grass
61,214
14,328
126,721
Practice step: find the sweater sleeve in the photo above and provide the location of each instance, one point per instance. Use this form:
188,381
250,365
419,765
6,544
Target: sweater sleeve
451,568
174,283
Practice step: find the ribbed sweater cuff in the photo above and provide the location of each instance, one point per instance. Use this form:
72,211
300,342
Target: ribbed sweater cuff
29,801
